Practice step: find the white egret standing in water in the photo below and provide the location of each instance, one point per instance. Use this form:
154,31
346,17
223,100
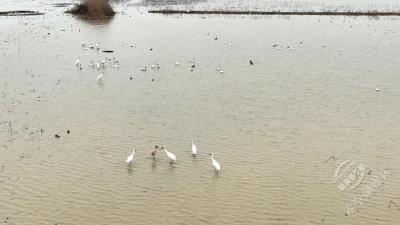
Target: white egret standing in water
215,164
77,62
194,149
130,157
170,155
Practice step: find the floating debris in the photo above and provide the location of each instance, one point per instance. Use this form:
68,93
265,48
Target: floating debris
394,203
108,51
331,157
61,5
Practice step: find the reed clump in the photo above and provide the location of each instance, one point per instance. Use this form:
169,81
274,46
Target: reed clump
93,9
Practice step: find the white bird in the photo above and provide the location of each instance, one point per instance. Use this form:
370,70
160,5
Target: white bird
130,157
77,62
215,164
194,149
170,155
91,64
100,77
102,62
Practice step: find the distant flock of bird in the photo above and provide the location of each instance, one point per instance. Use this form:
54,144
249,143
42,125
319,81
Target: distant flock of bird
115,63
172,157
100,64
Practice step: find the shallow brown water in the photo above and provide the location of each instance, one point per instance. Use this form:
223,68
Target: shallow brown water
272,126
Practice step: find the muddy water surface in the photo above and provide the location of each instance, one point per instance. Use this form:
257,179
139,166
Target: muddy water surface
279,127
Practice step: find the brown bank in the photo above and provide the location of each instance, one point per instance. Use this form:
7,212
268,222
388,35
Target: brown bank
93,9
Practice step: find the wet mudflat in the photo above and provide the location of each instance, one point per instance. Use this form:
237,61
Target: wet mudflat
318,91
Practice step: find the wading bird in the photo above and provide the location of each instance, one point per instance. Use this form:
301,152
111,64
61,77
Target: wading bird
154,152
77,62
100,77
170,155
215,164
130,157
194,149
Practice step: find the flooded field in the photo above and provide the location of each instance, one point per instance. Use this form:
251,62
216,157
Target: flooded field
308,133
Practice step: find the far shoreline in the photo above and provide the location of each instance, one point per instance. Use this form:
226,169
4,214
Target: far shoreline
284,13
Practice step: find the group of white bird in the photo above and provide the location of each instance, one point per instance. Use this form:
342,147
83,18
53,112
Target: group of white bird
172,156
101,64
85,46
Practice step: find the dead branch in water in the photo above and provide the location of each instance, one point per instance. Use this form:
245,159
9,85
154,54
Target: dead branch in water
283,13
394,203
331,157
